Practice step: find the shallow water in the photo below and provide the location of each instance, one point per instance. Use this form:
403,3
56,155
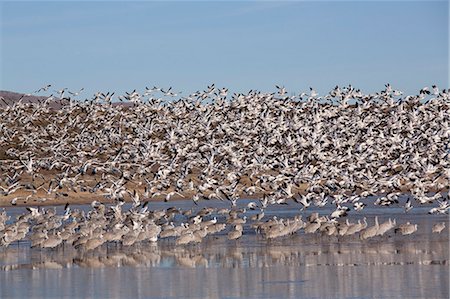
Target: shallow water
300,266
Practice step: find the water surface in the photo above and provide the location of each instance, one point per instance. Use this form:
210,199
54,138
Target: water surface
298,266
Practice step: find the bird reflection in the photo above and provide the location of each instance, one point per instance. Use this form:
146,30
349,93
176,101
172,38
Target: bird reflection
228,254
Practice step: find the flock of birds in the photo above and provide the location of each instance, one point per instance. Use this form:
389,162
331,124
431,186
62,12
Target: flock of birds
343,149
88,231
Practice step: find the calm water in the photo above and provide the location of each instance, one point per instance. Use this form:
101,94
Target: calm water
300,266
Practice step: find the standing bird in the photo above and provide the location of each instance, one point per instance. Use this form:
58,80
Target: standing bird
438,227
236,233
370,232
406,228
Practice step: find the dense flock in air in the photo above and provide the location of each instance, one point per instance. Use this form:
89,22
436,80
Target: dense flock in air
346,149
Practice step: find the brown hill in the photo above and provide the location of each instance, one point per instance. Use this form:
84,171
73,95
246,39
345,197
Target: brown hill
8,98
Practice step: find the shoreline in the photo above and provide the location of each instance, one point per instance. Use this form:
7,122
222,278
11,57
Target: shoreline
41,198
87,198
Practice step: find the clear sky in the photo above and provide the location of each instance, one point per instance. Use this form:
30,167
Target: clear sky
120,46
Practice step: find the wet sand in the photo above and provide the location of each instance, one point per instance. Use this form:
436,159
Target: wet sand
299,266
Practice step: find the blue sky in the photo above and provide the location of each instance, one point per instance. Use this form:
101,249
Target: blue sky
120,46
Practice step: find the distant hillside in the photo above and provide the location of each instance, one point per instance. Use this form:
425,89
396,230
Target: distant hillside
10,97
